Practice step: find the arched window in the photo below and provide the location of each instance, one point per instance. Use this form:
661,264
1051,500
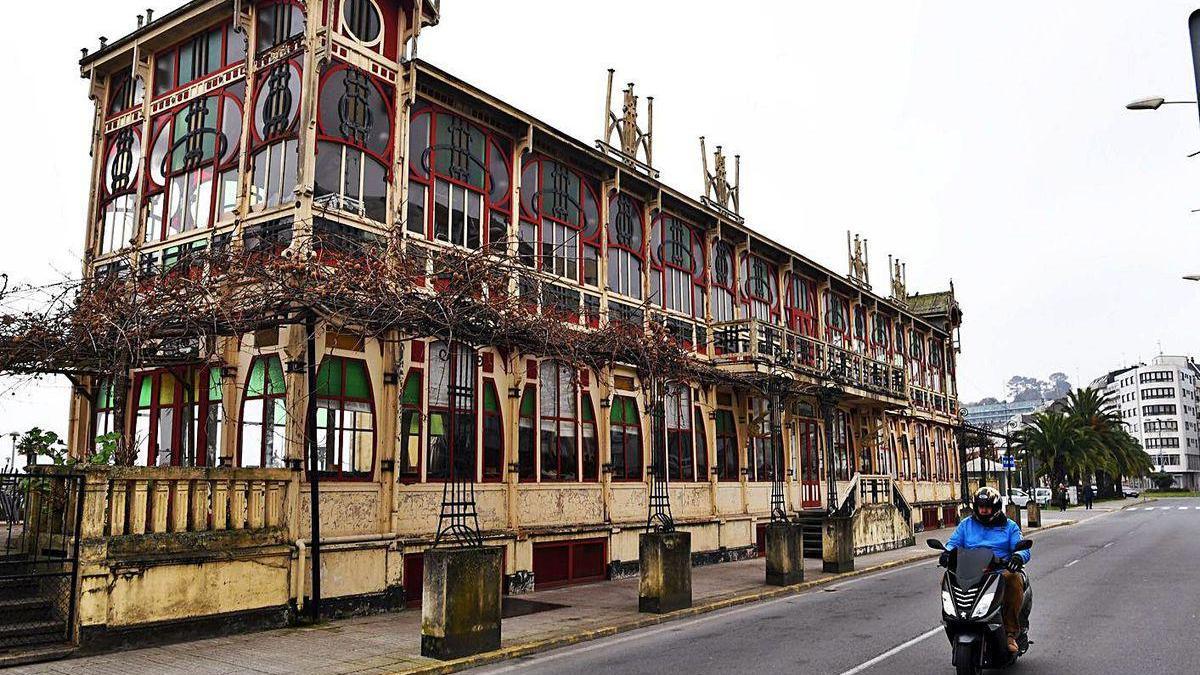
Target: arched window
589,442
463,170
881,333
626,246
345,419
760,461
916,362
264,415
408,469
860,329
837,319
118,206
277,22
728,464
801,305
124,92
451,446
681,449
354,142
760,288
937,365
899,353
367,22
677,266
493,434
560,220
625,439
274,135
701,444
724,282
559,421
179,417
527,436
193,164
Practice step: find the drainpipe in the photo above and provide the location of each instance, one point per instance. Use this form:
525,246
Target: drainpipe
310,433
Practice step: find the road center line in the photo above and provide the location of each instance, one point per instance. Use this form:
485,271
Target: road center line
1108,544
894,650
1071,563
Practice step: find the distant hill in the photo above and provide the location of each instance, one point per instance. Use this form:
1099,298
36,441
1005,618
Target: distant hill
1025,388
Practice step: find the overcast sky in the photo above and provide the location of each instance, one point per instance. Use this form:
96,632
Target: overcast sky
982,142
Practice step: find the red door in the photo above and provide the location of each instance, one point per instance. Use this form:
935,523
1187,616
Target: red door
561,563
808,436
414,578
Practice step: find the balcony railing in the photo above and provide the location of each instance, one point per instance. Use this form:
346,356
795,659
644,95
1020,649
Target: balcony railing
751,340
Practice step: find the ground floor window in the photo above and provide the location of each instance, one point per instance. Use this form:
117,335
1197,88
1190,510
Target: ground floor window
264,415
179,417
345,419
625,439
727,463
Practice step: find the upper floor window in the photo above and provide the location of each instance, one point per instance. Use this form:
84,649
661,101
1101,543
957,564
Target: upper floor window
277,23
354,142
677,266
193,164
837,319
274,143
860,329
881,332
626,246
200,55
560,220
462,170
724,282
801,305
264,415
760,288
345,419
916,355
124,92
118,206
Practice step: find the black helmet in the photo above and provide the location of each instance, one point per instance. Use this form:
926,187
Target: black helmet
990,498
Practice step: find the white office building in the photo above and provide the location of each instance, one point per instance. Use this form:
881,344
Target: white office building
1158,402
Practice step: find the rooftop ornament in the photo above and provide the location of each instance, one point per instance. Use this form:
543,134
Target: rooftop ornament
860,264
719,194
899,274
632,141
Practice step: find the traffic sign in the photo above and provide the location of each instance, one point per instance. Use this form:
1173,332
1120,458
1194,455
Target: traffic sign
1010,462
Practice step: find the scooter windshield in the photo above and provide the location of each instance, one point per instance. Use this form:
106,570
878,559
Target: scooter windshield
971,564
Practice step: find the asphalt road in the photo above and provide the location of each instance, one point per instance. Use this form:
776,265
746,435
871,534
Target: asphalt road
1119,593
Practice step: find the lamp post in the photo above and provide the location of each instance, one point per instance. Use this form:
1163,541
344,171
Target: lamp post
1154,103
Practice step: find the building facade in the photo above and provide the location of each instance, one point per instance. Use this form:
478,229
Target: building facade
1158,404
243,123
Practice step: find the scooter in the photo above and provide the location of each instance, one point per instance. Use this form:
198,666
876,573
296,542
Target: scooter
972,594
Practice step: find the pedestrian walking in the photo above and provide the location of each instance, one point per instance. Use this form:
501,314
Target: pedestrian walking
1088,496
1062,497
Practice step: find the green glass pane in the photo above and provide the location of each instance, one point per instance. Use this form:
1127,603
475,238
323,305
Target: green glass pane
437,424
104,396
589,415
329,377
489,398
356,385
275,383
144,394
527,403
412,390
724,422
257,384
214,384
631,416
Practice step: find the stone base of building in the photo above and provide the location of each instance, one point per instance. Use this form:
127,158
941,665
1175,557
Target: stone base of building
785,554
666,571
837,545
101,638
461,605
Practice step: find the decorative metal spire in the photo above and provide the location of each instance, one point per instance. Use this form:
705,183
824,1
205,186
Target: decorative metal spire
631,140
859,259
899,274
719,192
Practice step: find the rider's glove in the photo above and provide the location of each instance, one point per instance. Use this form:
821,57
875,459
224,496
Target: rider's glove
1015,563
944,559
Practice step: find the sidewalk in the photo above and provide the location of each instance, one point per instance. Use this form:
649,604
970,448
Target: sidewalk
390,643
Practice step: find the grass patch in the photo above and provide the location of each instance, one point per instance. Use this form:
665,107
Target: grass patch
1158,494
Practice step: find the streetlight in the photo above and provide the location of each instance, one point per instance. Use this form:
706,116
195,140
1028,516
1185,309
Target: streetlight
1192,277
1154,104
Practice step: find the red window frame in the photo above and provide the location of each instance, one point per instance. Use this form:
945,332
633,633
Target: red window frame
266,397
836,305
633,460
635,252
202,404
559,418
492,472
726,442
453,411
862,329
802,305
758,298
332,136
534,216
727,287
341,401
681,441
661,266
423,172
174,51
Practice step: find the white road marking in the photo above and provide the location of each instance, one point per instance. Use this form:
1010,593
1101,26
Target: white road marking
894,650
1108,544
1183,508
1071,563
1132,508
1149,508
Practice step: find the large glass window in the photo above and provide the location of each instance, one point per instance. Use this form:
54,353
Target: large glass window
527,436
197,57
408,468
626,246
345,419
451,445
760,291
589,442
193,164
179,417
560,220
493,434
354,143
625,439
559,421
760,457
275,148
118,208
843,448
837,319
124,92
801,305
677,264
728,464
459,180
264,415
881,332
102,413
277,23
724,282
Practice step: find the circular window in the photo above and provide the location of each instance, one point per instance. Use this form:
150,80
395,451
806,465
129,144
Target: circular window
361,20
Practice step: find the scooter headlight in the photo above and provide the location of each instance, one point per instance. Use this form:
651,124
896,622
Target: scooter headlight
947,603
984,605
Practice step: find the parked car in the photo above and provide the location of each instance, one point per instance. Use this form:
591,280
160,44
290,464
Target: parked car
1130,491
1042,496
1017,496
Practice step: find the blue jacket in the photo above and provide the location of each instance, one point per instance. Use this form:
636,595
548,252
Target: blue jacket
970,533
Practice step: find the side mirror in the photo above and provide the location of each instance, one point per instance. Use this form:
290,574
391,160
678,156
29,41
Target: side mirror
935,544
1023,545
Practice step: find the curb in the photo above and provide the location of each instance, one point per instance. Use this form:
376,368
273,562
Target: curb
547,644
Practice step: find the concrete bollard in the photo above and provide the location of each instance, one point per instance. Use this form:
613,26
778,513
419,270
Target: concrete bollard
785,554
1013,512
665,559
460,602
837,545
1033,514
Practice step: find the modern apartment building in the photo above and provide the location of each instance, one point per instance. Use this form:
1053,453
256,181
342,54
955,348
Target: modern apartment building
1158,404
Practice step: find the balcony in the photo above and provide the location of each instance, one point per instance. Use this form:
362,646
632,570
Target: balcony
751,343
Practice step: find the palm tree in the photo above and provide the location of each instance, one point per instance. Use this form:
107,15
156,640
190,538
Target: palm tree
1059,443
1096,414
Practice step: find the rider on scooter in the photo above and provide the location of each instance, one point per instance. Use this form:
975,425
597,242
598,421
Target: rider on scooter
990,528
